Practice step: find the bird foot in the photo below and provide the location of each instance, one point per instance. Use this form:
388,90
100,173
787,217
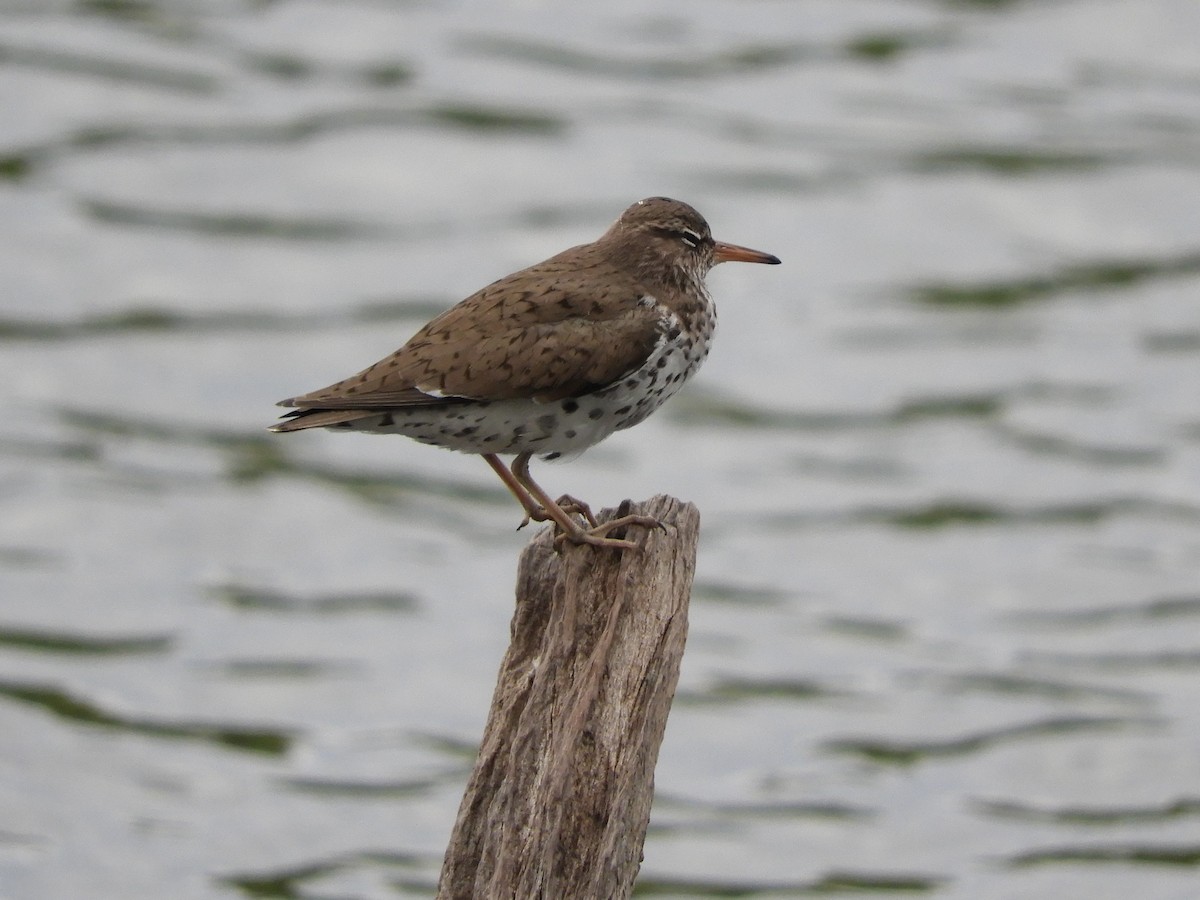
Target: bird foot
597,535
568,504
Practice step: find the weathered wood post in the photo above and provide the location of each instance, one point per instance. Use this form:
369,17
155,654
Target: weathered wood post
559,799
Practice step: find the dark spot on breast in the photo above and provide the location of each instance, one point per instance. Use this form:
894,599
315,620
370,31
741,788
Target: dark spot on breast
569,433
387,421
596,413
662,361
491,438
570,406
547,422
623,410
673,334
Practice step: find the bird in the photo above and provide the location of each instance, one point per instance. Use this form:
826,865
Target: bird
549,360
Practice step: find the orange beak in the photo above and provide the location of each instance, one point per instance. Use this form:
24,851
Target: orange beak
723,252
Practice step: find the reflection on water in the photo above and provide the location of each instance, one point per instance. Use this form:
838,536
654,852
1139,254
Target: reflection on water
946,626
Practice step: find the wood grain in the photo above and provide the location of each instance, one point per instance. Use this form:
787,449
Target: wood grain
559,799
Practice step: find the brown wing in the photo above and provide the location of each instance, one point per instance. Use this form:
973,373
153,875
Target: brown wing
545,332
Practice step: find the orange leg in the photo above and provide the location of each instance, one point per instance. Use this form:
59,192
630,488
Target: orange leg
569,529
533,512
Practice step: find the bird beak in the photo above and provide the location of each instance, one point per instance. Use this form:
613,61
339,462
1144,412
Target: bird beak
723,252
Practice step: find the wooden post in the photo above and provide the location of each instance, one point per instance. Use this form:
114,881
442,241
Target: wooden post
559,799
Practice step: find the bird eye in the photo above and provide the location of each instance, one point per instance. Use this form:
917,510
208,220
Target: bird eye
690,238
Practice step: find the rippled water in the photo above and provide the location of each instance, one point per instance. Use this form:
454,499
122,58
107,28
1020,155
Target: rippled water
946,631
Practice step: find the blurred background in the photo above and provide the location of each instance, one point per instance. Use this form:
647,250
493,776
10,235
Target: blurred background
945,636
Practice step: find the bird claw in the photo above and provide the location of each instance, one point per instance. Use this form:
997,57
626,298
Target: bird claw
597,535
568,504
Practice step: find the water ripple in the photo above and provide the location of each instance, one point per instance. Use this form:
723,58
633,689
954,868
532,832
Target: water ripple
65,705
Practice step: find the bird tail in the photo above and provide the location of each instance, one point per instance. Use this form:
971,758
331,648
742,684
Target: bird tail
300,419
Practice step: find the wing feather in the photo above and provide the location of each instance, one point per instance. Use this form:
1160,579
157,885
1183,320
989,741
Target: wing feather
562,338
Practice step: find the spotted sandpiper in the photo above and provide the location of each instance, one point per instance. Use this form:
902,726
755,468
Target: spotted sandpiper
551,359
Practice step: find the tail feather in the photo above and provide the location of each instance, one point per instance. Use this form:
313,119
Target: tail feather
300,419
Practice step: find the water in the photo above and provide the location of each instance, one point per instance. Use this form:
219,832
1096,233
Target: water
946,630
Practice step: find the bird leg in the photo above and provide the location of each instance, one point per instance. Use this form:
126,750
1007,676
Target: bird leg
569,529
535,512
567,503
